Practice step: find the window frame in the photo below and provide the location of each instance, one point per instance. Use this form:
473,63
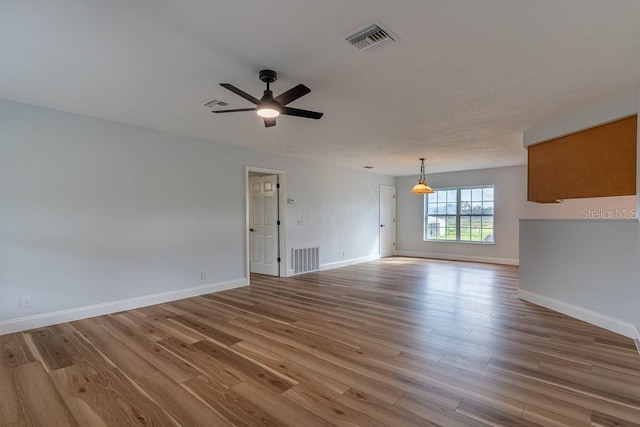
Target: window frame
458,215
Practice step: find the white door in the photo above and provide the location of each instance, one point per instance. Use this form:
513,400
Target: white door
263,224
387,221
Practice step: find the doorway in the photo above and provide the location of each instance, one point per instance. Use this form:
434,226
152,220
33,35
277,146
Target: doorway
387,221
265,222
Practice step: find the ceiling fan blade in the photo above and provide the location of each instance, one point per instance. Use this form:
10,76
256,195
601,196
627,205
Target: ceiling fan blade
292,94
269,122
301,113
235,110
240,92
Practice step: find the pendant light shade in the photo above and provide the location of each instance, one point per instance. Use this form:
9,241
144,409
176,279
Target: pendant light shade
421,187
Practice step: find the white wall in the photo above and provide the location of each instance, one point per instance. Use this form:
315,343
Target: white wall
609,110
95,212
586,269
510,193
637,299
511,205
619,207
638,210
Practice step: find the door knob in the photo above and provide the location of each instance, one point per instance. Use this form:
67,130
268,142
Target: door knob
251,229
381,225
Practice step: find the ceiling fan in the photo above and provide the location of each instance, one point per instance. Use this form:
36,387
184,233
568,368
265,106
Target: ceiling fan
269,107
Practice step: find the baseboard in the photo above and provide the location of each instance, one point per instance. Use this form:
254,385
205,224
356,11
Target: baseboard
637,339
607,322
345,263
453,257
53,318
338,264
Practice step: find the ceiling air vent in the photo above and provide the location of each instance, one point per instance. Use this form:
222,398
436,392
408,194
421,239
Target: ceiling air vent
216,105
371,37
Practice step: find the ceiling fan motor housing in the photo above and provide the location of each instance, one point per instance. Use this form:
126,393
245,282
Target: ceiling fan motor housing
267,96
268,76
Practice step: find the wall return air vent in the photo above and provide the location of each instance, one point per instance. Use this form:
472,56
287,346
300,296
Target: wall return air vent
371,37
304,260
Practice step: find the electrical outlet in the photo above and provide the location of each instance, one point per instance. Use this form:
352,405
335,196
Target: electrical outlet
203,275
25,302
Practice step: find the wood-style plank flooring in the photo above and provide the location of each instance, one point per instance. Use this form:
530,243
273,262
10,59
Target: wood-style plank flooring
395,342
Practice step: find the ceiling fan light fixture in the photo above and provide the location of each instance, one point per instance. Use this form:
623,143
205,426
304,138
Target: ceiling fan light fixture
422,187
268,113
268,110
269,107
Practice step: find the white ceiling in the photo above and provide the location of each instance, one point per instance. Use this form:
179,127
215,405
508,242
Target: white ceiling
464,81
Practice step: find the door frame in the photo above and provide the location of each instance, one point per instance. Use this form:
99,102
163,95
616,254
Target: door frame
282,211
395,231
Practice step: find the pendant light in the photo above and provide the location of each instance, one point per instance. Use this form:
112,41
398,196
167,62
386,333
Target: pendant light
421,187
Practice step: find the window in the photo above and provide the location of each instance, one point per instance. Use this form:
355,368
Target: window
459,215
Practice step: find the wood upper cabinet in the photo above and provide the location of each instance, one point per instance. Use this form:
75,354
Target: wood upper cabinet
596,162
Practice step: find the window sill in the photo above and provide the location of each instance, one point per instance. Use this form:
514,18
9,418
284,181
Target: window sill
464,242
